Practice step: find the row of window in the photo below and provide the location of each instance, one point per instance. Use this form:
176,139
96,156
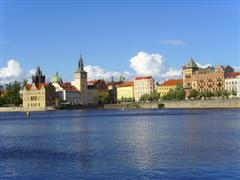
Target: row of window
33,104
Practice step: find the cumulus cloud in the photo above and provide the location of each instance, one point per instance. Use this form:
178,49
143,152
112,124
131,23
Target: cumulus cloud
154,65
14,72
96,72
203,65
172,42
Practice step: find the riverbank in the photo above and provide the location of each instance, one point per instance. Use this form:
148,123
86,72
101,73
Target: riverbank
219,103
197,104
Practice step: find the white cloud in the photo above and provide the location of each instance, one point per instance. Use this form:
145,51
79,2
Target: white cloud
13,72
172,42
96,72
154,65
203,65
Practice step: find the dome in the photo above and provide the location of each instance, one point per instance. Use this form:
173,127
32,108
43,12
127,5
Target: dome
56,79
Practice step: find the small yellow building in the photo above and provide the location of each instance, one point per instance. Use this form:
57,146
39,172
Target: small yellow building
125,90
163,88
38,97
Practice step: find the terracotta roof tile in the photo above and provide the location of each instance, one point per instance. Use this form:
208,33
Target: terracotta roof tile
69,87
143,77
232,74
126,84
172,82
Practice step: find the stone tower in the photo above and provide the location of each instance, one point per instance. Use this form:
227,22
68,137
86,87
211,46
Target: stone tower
188,70
39,77
80,81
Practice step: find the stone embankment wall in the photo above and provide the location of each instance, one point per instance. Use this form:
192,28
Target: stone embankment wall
220,103
20,109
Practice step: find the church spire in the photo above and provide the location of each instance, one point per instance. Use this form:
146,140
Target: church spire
80,65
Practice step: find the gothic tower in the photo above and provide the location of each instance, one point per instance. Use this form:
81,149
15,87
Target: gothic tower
80,81
39,77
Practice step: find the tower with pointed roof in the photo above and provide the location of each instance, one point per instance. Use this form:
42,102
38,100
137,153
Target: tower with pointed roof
39,77
188,69
80,81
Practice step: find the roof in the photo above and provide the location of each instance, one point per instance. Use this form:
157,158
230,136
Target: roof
191,64
56,79
39,86
69,87
143,77
172,82
126,84
93,82
232,74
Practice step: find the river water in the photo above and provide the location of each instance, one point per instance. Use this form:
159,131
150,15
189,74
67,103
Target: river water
114,144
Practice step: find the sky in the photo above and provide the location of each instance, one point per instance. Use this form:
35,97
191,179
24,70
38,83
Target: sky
116,38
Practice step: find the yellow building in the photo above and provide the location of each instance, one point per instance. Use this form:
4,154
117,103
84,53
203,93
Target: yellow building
125,90
163,88
143,85
38,97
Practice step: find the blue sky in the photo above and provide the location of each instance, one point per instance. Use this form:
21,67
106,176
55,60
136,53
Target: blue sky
108,34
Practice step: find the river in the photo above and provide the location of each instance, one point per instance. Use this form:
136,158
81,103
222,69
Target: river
114,144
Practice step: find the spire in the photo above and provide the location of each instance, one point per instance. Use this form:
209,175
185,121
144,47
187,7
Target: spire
80,65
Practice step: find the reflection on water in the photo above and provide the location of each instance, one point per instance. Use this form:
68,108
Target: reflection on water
139,144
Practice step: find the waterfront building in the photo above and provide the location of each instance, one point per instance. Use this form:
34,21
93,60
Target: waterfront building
125,90
143,85
164,87
232,82
38,95
96,90
112,91
188,71
204,79
80,82
65,92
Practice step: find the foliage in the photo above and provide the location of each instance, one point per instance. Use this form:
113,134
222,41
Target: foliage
12,95
217,93
193,94
226,93
233,93
153,96
175,94
104,99
127,99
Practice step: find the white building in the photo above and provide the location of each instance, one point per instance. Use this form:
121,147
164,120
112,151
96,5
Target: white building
143,85
65,91
232,82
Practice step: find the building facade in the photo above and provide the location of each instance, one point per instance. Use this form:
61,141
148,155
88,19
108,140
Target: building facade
96,90
125,90
80,82
164,87
38,95
65,92
204,79
143,85
232,83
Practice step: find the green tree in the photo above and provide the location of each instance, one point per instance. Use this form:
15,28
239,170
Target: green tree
104,99
13,93
226,94
209,94
193,94
233,92
180,93
144,97
217,93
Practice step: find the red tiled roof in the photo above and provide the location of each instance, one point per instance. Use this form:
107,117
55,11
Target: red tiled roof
93,82
69,87
143,77
39,86
232,74
172,82
126,84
